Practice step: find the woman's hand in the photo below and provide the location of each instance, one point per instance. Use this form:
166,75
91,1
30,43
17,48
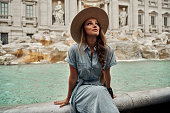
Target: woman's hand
62,102
114,96
72,83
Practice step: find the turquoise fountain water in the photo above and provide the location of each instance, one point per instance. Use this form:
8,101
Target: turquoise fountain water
27,84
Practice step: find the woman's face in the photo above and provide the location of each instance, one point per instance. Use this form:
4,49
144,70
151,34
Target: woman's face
91,27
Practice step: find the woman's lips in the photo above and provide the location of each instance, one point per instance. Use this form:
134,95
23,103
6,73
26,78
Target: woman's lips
95,30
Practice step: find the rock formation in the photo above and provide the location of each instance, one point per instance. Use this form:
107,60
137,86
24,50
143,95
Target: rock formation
52,47
42,48
137,46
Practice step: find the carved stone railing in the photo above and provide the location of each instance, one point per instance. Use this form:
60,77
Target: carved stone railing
153,28
6,19
166,28
141,26
29,20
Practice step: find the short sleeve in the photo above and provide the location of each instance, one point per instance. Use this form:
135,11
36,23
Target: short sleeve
71,56
110,58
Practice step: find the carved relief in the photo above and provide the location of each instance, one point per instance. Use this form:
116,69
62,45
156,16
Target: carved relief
93,3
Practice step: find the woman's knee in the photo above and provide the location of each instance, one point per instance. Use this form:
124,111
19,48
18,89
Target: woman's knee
98,90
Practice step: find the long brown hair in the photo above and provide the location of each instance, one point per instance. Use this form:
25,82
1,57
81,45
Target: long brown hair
100,44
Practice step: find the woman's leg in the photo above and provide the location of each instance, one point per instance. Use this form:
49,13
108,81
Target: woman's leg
94,99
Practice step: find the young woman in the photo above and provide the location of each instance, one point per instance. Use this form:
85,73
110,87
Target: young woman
90,60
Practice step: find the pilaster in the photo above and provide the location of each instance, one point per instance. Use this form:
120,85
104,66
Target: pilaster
67,12
159,22
73,9
16,13
135,14
9,8
146,17
37,12
79,5
130,15
105,7
114,20
43,7
34,9
49,10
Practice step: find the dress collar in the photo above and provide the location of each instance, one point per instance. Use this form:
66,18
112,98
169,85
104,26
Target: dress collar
86,47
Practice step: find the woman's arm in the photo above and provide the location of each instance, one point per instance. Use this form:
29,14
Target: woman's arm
107,77
72,82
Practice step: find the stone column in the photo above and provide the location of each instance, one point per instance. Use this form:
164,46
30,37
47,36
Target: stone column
67,8
16,11
105,7
135,15
73,9
23,14
109,14
34,9
159,21
43,8
130,15
37,12
146,17
79,5
114,20
49,12
34,14
9,8
23,9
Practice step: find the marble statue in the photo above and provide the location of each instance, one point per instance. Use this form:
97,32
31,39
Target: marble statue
122,17
58,14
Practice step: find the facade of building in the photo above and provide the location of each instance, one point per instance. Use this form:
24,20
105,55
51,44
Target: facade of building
19,18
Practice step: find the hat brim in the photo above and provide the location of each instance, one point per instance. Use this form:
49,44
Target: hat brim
91,12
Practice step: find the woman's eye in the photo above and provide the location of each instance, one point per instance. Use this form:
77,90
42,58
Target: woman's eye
89,23
97,24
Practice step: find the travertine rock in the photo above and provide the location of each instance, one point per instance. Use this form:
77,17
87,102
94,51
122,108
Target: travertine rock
52,47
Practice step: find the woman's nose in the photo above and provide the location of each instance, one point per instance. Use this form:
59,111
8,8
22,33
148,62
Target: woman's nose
94,25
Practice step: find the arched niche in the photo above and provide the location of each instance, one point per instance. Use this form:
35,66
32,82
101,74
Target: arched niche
58,12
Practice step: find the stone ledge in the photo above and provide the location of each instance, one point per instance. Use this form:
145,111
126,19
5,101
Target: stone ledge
124,102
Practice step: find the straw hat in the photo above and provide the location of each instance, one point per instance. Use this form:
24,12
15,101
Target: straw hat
91,12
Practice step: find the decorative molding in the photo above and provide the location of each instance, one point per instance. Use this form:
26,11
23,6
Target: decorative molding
166,14
153,13
141,11
6,0
30,2
6,19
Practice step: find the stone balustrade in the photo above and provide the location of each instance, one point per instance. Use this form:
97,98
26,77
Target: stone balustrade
6,19
29,20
